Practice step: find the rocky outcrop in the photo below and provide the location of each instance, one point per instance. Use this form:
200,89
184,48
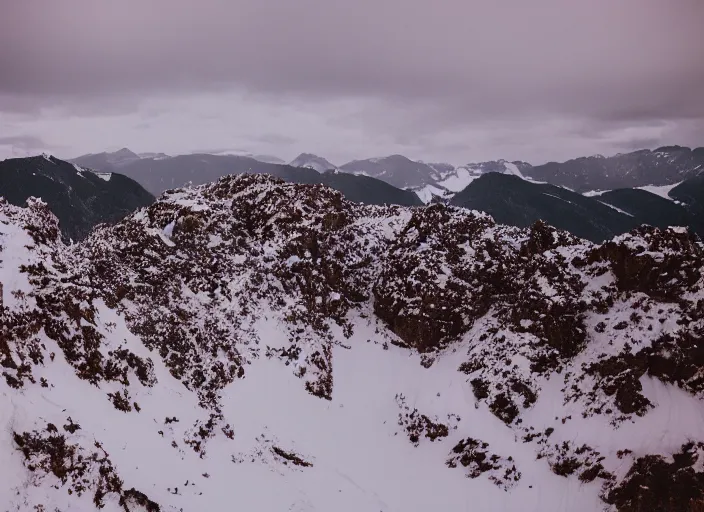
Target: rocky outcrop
175,293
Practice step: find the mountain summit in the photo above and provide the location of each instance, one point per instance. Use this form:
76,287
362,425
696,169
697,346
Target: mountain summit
312,161
397,170
114,160
79,197
273,346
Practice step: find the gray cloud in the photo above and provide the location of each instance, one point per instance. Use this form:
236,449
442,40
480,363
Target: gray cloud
275,139
637,143
24,142
410,69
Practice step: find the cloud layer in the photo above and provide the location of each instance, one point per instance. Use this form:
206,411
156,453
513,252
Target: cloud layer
448,77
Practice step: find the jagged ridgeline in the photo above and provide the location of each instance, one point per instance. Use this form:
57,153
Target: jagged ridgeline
263,345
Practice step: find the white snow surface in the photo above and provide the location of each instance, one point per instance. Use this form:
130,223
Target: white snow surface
594,193
361,461
446,183
511,168
660,190
458,181
427,193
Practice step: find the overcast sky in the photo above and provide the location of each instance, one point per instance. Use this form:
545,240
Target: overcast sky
439,80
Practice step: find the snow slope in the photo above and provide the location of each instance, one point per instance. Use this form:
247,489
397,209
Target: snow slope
270,346
511,168
427,193
458,181
660,190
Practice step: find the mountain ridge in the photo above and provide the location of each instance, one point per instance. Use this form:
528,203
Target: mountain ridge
276,343
80,198
666,165
159,175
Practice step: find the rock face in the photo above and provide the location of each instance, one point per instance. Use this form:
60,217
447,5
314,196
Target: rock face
78,197
277,345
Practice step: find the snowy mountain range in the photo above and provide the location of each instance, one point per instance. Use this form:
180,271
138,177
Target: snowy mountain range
440,181
262,345
667,165
664,166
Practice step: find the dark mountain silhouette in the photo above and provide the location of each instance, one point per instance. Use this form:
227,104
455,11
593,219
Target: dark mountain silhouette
654,210
78,197
664,166
514,201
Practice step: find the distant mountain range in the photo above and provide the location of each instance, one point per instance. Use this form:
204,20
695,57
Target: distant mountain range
667,165
78,197
663,166
509,191
432,181
81,198
395,169
163,173
126,156
583,196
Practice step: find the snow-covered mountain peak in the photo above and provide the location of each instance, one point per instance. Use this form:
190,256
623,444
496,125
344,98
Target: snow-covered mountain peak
276,343
312,161
122,156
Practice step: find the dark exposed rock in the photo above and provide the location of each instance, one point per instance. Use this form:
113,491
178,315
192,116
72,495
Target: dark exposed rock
474,456
417,425
654,483
661,263
291,457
